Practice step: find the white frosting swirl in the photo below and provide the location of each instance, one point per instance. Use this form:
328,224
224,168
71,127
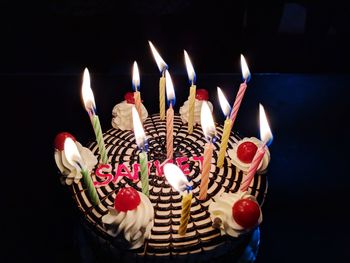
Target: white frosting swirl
245,166
135,224
221,213
123,115
70,173
184,110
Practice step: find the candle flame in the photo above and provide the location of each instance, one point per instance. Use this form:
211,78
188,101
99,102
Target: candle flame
72,154
225,106
190,70
175,177
160,62
245,69
170,93
139,133
88,96
207,121
265,131
135,77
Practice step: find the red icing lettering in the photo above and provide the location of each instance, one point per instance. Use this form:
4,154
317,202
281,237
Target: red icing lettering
120,171
159,167
200,159
184,167
103,172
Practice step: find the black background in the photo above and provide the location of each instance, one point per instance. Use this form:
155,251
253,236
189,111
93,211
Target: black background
298,54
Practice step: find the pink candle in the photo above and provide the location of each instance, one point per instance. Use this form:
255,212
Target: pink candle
266,136
208,153
208,127
247,179
241,91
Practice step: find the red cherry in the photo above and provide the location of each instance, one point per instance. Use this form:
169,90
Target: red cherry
129,97
246,152
246,213
127,199
202,94
60,138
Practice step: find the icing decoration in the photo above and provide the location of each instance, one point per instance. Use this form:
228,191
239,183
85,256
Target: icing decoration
221,214
127,199
135,224
60,138
104,171
246,151
122,115
246,212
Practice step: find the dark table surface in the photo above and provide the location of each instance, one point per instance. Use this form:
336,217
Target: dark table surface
307,203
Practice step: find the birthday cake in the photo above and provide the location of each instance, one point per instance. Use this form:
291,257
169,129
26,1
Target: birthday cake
127,224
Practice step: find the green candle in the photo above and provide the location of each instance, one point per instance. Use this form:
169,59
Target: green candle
89,103
89,184
74,158
144,172
141,142
99,138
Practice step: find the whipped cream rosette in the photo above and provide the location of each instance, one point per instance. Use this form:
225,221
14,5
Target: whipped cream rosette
132,215
201,95
235,213
243,153
69,172
122,114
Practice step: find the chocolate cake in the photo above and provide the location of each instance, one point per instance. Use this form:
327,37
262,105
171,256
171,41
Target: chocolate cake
202,241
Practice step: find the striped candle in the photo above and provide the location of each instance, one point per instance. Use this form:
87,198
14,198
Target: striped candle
203,188
224,141
89,184
169,132
247,179
185,213
136,86
162,66
162,97
144,172
241,91
266,136
89,103
191,99
74,158
238,101
99,138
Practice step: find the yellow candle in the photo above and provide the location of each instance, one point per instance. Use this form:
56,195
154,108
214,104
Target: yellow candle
137,98
169,132
136,86
179,182
203,188
185,213
191,102
224,141
162,97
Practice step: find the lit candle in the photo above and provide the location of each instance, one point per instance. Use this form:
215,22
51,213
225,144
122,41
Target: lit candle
141,142
136,87
226,109
177,180
191,99
170,93
266,137
89,103
209,131
162,66
74,158
241,91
